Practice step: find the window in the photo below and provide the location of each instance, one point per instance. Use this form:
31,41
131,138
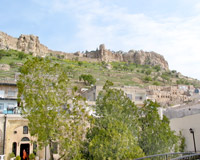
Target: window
1,106
25,139
14,148
2,92
138,98
11,93
11,105
25,130
55,147
129,96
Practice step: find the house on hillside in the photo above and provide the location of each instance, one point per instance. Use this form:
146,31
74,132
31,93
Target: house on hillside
136,94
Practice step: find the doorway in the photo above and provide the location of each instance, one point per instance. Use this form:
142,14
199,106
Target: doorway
27,149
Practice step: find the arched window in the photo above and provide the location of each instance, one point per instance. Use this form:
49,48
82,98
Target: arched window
14,148
25,139
25,130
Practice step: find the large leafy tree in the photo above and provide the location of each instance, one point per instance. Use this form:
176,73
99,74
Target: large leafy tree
155,135
114,133
55,112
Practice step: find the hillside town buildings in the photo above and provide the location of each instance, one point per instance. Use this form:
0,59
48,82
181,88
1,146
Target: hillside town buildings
14,132
171,95
136,94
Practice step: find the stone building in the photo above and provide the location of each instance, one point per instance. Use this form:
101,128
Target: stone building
169,95
14,132
136,94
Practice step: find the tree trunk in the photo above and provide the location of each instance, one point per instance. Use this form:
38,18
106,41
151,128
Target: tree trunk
51,150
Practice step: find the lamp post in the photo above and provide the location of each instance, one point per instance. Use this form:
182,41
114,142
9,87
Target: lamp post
192,131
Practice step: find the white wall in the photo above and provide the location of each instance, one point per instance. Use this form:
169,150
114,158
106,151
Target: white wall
184,124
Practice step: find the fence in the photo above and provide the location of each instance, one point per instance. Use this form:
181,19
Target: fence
166,156
188,157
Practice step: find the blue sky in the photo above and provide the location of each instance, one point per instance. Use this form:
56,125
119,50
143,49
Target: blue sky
168,27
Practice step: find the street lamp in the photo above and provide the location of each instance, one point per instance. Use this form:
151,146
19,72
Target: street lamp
192,131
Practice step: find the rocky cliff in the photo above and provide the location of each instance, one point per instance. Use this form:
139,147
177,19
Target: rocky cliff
138,57
25,43
31,43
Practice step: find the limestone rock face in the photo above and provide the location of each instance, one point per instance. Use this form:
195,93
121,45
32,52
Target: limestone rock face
4,67
25,43
7,42
146,58
138,57
31,43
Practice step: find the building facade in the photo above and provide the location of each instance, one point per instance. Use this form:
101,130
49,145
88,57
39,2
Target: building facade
136,94
14,132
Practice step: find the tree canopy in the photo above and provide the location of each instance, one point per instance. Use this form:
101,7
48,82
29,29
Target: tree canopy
123,131
114,134
156,136
87,78
54,111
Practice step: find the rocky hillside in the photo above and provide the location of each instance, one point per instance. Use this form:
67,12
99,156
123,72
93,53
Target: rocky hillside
31,44
120,73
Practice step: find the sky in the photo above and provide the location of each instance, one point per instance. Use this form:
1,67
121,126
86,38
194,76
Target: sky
168,27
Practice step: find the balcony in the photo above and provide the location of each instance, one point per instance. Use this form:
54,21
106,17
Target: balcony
11,110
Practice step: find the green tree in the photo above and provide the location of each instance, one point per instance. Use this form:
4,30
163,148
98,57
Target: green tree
114,133
54,112
147,78
87,78
156,136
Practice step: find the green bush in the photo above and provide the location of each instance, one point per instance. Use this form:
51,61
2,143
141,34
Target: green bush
156,83
4,53
80,63
18,158
32,156
11,155
21,55
173,71
12,64
148,72
157,68
147,78
87,78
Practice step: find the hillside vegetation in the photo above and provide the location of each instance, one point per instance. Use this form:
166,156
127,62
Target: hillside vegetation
120,73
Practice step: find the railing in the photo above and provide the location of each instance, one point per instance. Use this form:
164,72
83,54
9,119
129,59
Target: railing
188,157
13,110
165,156
2,157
